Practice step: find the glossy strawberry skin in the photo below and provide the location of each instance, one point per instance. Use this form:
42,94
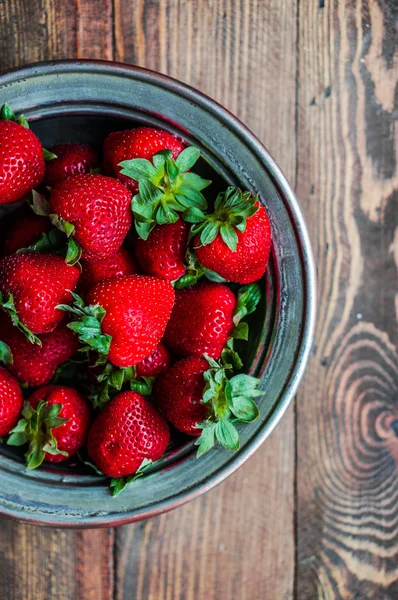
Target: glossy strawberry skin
155,364
126,431
249,262
38,283
36,366
21,161
137,308
11,401
72,159
22,231
99,208
72,435
201,321
179,393
143,142
116,266
163,253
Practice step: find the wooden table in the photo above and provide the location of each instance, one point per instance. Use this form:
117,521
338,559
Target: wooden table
315,513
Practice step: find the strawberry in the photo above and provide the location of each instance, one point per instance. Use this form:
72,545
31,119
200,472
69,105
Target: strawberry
95,210
199,399
38,367
125,318
165,188
154,364
201,321
31,287
127,432
163,253
142,143
235,241
21,160
11,401
55,424
116,266
70,159
23,230
179,392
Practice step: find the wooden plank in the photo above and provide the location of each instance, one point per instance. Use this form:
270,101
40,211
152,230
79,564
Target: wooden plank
38,563
41,563
347,409
238,541
54,29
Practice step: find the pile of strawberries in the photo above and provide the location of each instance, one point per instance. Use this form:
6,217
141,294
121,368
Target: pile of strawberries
124,282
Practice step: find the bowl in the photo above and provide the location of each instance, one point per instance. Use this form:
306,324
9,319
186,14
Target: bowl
83,101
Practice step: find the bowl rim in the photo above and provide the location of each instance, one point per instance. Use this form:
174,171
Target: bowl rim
309,285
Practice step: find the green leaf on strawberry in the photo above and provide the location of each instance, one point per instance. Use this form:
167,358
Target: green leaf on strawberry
117,485
87,324
48,155
118,378
5,354
7,304
229,401
36,429
7,114
232,208
165,188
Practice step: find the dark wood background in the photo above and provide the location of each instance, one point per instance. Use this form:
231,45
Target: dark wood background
315,513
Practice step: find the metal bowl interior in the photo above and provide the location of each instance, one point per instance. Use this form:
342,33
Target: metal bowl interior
83,101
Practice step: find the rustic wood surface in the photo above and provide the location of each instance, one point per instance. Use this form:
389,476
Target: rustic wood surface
315,513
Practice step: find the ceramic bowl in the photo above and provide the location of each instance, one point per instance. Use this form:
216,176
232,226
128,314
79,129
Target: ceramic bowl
83,101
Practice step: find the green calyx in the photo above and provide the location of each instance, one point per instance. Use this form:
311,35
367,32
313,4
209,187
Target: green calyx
7,114
165,188
7,304
194,272
247,301
114,379
229,401
118,484
36,429
5,354
58,240
87,324
231,211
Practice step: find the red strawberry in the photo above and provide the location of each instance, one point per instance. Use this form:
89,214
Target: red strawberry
126,432
37,367
116,266
154,364
179,392
32,285
131,313
22,231
72,159
21,158
11,401
143,142
201,321
235,242
198,398
163,253
98,210
55,424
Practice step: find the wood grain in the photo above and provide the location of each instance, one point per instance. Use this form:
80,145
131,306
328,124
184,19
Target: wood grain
220,546
39,564
347,471
44,564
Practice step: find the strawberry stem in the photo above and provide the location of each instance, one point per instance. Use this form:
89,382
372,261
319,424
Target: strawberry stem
230,401
166,188
36,429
